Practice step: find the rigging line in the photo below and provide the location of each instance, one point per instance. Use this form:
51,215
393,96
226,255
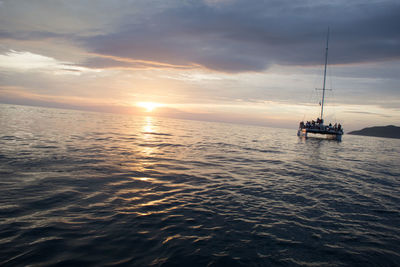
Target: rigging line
314,95
333,101
333,105
311,96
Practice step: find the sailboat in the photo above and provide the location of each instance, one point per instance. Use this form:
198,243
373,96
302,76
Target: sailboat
317,127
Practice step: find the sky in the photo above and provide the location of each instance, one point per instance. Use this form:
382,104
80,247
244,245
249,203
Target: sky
254,62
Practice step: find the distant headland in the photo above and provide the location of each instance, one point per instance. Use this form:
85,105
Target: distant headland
389,131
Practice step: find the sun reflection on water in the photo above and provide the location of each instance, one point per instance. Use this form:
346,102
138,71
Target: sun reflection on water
148,130
148,126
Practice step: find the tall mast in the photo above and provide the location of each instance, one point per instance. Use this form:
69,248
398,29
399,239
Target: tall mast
323,87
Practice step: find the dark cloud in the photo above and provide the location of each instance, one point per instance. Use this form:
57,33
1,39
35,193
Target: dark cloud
31,35
235,36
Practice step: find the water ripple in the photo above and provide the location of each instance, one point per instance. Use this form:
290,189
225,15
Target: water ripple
97,189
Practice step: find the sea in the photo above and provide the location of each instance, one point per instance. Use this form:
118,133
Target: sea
82,188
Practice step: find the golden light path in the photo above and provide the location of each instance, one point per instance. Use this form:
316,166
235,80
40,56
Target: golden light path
149,106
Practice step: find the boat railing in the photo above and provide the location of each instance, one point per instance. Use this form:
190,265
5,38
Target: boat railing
336,128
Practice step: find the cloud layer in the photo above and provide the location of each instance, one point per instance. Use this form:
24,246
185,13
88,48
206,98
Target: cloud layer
237,36
225,35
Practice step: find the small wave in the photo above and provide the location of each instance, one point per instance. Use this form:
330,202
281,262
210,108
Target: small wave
44,147
159,145
10,137
154,133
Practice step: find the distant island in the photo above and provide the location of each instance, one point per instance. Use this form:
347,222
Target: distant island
389,131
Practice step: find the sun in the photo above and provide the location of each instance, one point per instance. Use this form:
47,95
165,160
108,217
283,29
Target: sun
149,106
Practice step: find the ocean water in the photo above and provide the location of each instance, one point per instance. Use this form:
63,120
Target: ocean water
91,189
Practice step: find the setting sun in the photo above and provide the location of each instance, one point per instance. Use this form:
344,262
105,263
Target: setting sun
149,106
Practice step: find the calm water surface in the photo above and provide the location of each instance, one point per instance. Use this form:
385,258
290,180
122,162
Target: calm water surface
81,188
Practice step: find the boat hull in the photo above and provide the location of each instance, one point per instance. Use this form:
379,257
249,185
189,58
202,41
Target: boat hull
317,133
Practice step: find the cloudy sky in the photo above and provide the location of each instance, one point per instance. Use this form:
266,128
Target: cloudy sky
250,61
